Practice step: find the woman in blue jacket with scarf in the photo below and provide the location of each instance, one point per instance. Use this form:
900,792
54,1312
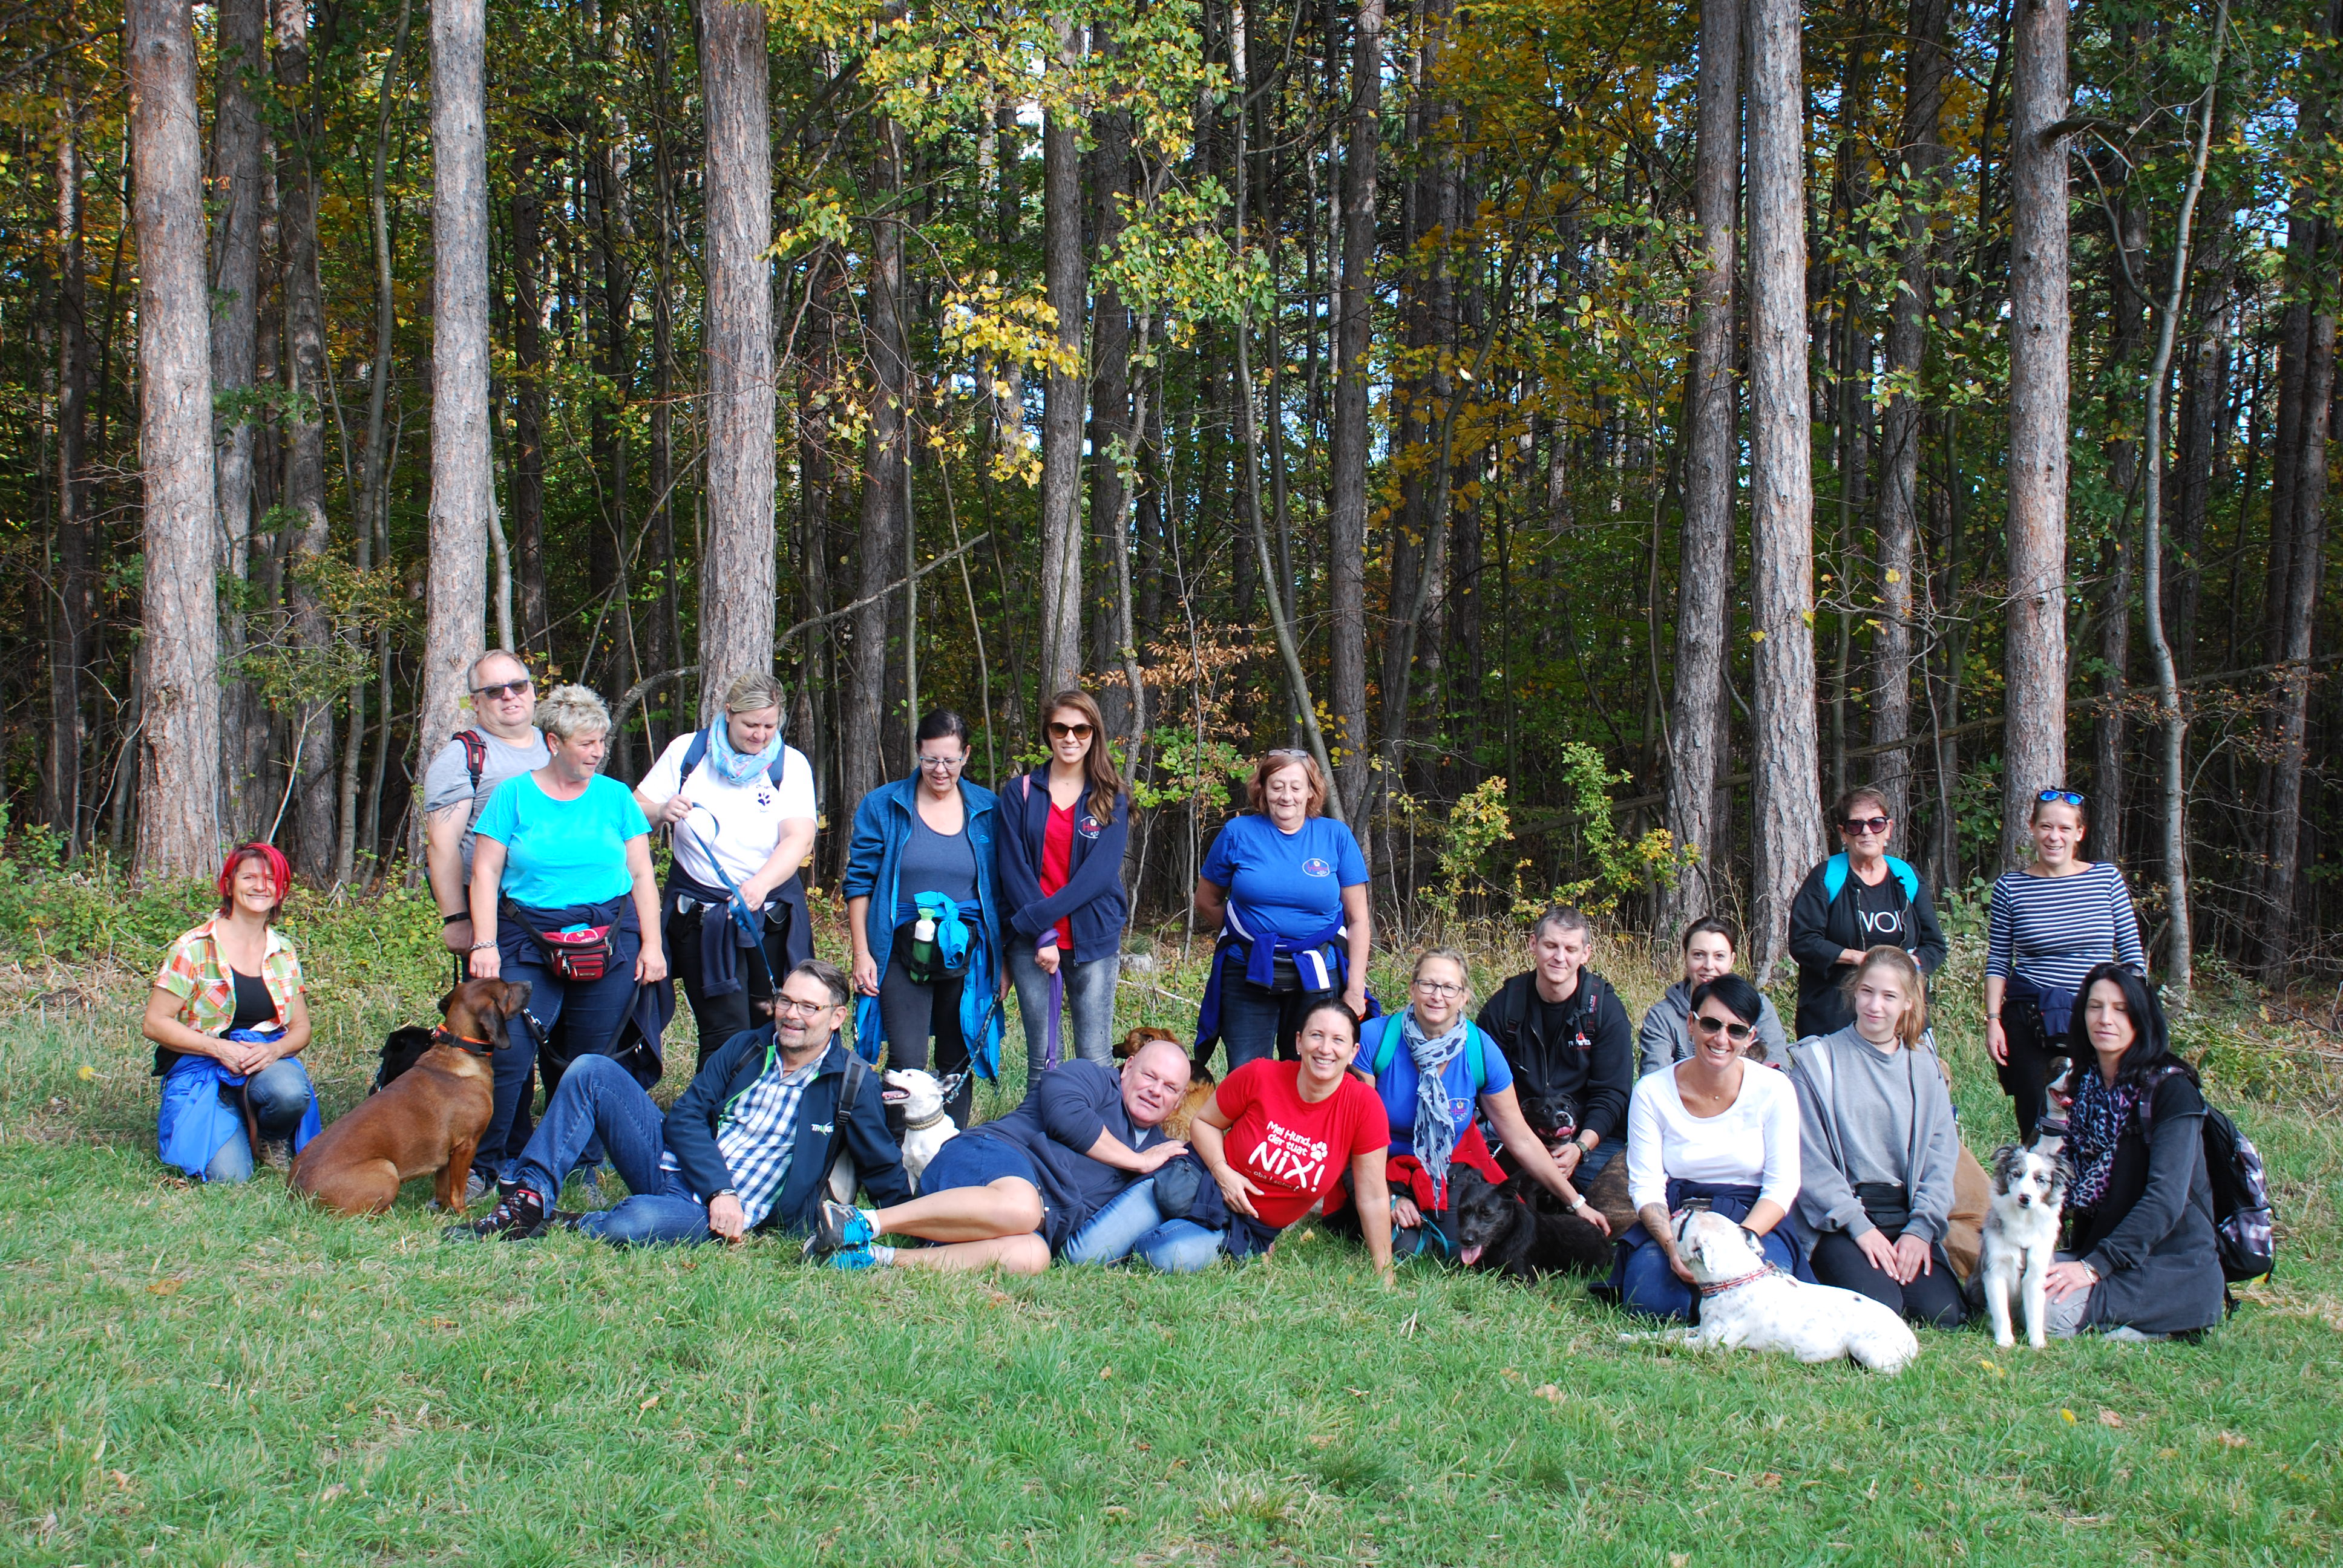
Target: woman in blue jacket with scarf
1062,830
924,915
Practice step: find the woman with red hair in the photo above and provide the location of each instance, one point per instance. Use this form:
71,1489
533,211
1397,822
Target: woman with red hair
228,1021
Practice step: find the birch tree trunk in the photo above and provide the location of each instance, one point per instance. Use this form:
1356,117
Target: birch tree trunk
1346,527
241,59
179,771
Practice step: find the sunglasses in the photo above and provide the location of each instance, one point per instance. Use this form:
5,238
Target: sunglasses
2068,796
509,688
1069,731
1736,1032
1288,751
1864,824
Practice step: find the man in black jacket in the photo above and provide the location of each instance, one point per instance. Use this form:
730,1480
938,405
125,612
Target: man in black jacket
750,1145
1564,1032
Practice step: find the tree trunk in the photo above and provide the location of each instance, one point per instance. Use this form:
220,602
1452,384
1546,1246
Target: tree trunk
735,568
2033,737
1782,497
454,605
2127,260
1111,435
179,773
862,766
75,609
529,401
667,647
1346,527
1062,408
236,195
1696,731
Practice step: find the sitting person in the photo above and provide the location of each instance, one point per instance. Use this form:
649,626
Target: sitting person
2144,1263
1043,1179
1877,1145
1712,1128
1564,1032
228,1021
1434,1068
1276,1137
1666,1037
748,1146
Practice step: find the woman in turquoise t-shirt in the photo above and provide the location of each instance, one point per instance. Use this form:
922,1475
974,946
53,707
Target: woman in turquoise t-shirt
564,849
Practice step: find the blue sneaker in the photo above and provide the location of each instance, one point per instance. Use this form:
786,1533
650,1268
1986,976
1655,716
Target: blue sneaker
850,1257
835,1228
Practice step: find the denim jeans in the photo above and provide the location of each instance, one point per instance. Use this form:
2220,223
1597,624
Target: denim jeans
594,1011
279,1093
1090,997
1652,1288
1178,1247
1256,1022
600,1099
1109,1235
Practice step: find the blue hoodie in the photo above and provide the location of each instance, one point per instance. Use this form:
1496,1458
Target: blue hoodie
882,826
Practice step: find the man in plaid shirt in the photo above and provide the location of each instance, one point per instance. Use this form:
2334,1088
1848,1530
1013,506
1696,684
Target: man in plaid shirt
748,1145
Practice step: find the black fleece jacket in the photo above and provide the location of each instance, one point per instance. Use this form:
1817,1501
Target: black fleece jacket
690,1131
1820,927
1594,1062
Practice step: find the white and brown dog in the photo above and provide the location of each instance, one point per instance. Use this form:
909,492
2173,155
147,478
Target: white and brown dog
2021,1235
1747,1303
926,1126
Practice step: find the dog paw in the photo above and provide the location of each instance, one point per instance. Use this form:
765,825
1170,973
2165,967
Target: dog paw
2006,1342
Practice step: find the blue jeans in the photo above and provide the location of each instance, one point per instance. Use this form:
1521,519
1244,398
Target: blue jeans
1256,1022
1591,1164
594,1011
1089,998
1178,1247
1652,1288
1109,1235
279,1093
600,1099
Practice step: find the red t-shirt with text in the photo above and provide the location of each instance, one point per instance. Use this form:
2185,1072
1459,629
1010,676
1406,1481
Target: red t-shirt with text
1293,1151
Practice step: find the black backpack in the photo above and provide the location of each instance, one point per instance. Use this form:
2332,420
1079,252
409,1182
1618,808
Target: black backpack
2244,1223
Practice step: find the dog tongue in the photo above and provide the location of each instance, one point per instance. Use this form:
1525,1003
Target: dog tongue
1471,1255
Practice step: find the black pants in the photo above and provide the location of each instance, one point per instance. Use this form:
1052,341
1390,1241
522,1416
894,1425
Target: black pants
2033,1063
1933,1298
910,1014
722,1017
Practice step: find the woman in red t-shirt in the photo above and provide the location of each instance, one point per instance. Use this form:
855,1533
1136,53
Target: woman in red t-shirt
1277,1137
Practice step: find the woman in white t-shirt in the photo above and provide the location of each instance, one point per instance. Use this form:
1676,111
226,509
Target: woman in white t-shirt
741,804
1716,1128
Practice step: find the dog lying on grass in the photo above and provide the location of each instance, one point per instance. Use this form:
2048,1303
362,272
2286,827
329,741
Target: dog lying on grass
1199,1084
2021,1236
1504,1230
1747,1303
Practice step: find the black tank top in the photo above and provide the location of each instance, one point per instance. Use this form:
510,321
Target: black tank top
254,1006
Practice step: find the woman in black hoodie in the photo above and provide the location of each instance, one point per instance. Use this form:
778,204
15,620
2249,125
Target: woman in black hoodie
1851,903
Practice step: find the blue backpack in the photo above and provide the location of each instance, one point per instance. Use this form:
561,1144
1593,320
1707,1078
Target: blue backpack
1834,879
1383,1042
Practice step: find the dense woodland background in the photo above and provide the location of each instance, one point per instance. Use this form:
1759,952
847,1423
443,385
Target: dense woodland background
1605,430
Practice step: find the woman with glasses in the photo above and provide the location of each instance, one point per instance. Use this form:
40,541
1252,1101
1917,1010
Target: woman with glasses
1666,1037
1288,889
741,803
1855,901
1712,1130
1062,839
924,916
1439,1075
2048,925
1878,1146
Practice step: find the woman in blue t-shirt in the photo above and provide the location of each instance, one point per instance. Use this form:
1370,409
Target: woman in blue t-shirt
569,853
1289,890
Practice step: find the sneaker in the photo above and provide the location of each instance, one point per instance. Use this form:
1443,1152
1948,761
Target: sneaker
520,1218
837,1227
850,1257
277,1153
476,1187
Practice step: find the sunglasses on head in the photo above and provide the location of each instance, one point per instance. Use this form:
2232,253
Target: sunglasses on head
1864,824
509,688
1287,751
1069,731
1737,1032
2068,796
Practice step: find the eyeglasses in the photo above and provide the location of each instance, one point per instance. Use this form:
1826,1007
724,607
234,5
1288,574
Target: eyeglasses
2068,796
790,1004
1439,988
1864,824
1736,1032
1069,731
509,688
941,764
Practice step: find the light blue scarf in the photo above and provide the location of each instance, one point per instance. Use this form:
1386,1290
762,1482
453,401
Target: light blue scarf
1435,1130
730,765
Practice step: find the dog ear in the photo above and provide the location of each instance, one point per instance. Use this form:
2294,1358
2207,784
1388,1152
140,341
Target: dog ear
2005,1164
445,1002
516,994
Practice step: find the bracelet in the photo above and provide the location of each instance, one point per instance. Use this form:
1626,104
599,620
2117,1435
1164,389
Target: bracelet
1580,1206
446,921
1993,1018
476,947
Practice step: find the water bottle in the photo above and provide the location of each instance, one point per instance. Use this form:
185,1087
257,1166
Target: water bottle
923,950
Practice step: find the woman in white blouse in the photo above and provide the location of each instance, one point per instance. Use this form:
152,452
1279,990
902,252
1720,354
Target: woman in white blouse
1710,1129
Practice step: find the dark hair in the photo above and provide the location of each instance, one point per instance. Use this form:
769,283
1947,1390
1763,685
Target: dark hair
1740,998
829,974
2151,1045
1098,763
1330,1004
1847,802
1561,918
1715,923
938,722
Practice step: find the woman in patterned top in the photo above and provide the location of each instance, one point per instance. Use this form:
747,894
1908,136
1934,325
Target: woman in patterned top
228,1021
2047,927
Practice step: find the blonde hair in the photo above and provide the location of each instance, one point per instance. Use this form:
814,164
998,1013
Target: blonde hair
1915,1021
569,712
1464,969
747,693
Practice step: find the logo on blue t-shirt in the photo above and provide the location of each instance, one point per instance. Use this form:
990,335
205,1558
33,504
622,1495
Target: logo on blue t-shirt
1316,866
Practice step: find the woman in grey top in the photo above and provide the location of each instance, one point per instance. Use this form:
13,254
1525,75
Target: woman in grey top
1877,1145
1666,1037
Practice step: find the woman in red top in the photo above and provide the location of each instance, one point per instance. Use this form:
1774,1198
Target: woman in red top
1277,1137
1060,868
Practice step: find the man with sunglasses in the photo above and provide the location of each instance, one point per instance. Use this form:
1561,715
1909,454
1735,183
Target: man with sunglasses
501,741
1857,900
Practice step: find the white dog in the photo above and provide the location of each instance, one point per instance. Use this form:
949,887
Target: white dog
2021,1235
1746,1304
926,1127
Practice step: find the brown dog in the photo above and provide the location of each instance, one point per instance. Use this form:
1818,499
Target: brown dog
428,1121
1199,1086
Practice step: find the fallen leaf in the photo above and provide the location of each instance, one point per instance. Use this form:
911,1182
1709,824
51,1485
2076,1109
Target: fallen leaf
336,1490
2231,1439
1105,1372
1678,1559
164,1287
654,1399
120,1479
2067,1415
1321,1438
2109,1418
1771,1478
1116,1510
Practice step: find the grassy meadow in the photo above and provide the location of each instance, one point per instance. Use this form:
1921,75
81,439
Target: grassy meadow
224,1376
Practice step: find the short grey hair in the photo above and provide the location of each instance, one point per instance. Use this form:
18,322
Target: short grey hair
747,693
472,671
1561,918
569,712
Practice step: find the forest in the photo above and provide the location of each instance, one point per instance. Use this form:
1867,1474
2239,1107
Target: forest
1602,430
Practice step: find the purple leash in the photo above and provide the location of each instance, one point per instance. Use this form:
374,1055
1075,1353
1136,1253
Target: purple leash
1057,1005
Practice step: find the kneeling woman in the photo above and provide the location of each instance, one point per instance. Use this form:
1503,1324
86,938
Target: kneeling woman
1711,1127
228,1021
1276,1137
1878,1146
2144,1261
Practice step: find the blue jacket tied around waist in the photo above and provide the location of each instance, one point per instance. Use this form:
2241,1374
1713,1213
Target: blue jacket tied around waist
882,826
197,1121
1322,958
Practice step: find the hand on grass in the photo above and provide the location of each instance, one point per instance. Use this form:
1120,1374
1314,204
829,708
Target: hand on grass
726,1219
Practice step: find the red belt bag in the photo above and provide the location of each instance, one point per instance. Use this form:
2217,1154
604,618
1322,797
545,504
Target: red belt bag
579,957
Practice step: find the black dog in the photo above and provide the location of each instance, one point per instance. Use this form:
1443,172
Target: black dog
1553,1117
1498,1231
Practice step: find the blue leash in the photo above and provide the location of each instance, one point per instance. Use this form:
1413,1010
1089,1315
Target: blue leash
745,920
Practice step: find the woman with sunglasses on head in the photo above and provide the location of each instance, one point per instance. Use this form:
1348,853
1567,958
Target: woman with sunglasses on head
1879,1146
924,915
1288,888
1665,1036
1062,839
741,804
1712,1129
1855,901
2048,925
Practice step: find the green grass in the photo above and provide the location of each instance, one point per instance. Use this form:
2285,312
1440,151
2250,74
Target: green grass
225,1376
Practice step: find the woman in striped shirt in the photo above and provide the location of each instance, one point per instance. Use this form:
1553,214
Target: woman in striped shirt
2047,926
